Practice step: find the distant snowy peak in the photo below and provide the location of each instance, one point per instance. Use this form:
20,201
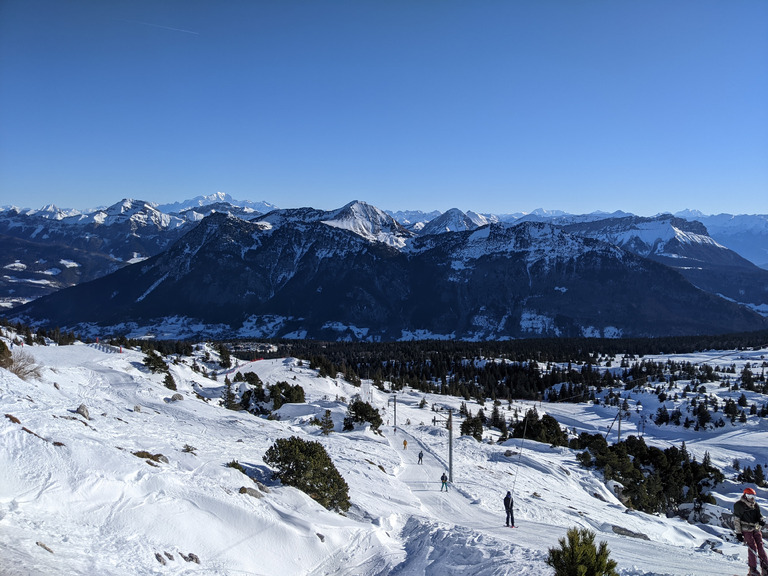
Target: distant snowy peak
216,198
413,219
48,212
136,213
368,222
53,212
480,219
454,220
660,235
548,213
563,218
690,214
213,199
361,218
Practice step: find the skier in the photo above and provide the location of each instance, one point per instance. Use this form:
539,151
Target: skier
405,444
444,480
508,503
747,521
421,455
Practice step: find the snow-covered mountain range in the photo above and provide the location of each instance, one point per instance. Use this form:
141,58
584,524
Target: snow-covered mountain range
104,470
745,234
218,198
455,276
355,273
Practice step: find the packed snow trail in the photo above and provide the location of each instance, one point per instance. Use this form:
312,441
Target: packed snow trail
528,542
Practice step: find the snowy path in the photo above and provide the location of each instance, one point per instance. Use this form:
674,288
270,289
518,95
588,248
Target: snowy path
462,515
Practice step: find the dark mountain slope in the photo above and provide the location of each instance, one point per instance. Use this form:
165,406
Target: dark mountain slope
321,281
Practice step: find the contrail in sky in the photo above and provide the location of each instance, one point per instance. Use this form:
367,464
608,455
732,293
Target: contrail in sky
163,27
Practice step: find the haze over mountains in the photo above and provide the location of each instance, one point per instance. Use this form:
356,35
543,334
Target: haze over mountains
218,267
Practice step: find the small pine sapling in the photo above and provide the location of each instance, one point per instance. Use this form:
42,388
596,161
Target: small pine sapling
578,556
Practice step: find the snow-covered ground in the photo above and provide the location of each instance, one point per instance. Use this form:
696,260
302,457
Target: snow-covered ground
75,500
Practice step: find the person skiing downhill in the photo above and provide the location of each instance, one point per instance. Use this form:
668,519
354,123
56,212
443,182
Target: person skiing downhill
444,480
508,503
421,455
747,521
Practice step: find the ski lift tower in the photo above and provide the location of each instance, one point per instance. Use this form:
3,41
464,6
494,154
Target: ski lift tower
394,403
617,418
449,425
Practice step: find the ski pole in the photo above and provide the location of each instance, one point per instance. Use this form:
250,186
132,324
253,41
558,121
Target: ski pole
517,469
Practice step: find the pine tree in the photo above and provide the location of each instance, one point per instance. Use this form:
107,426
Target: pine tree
155,362
504,430
496,418
685,457
747,378
359,411
472,426
326,423
579,556
759,475
229,397
169,382
307,466
224,355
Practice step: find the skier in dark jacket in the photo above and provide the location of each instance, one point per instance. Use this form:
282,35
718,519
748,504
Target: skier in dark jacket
747,521
508,504
444,482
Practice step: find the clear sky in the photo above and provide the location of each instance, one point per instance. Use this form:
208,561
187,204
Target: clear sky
486,105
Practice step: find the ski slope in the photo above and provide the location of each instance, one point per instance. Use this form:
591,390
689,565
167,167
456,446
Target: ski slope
75,500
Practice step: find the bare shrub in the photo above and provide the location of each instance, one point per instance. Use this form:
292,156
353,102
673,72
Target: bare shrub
23,365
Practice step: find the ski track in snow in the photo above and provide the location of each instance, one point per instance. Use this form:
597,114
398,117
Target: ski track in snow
102,510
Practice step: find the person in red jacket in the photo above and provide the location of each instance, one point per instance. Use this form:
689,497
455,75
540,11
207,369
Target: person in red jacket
747,522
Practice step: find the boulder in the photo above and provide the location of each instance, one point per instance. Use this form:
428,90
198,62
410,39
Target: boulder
251,492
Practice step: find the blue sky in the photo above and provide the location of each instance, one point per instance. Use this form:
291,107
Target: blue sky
493,106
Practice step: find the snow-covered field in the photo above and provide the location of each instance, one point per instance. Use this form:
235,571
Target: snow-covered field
75,500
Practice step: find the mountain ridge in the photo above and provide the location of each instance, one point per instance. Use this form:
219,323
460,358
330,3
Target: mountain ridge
316,274
461,275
